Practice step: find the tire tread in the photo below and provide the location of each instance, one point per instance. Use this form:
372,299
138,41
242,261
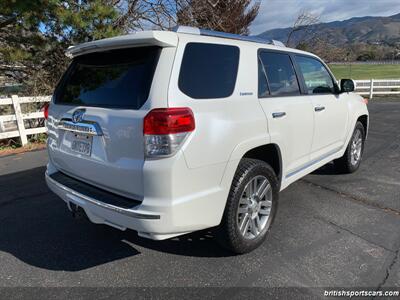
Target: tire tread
227,232
343,164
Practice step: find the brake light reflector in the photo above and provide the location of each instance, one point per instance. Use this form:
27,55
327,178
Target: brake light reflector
46,110
169,121
165,130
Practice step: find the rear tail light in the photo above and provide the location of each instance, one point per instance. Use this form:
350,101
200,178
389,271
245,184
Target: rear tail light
46,110
165,129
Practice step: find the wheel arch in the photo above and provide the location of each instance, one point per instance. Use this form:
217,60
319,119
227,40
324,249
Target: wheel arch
258,148
364,119
358,112
269,153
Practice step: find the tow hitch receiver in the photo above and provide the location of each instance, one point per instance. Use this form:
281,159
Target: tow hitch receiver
76,211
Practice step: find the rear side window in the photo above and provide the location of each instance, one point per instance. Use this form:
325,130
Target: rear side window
316,76
208,70
118,78
281,77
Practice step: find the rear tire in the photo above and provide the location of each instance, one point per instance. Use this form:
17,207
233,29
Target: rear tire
251,207
351,160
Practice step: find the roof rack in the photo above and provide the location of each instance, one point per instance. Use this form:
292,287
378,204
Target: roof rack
220,34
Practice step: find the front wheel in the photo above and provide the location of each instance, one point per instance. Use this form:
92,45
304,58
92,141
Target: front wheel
351,160
251,207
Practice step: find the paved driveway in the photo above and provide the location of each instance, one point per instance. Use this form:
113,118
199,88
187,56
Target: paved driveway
331,231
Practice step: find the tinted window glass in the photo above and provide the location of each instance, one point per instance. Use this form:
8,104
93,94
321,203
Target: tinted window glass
263,89
316,76
118,78
281,76
208,70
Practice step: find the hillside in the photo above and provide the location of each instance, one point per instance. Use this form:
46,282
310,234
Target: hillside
368,30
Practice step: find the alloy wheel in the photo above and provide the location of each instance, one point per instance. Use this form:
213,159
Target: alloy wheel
254,207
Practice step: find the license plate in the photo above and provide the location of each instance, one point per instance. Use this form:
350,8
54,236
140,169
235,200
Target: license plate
82,144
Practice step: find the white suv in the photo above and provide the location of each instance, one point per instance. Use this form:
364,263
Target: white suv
167,133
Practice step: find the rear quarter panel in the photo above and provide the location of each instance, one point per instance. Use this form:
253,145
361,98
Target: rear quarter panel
226,123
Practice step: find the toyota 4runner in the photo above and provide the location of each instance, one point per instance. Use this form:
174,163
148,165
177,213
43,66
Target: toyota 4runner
167,133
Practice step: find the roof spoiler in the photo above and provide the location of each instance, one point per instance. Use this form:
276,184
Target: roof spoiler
137,39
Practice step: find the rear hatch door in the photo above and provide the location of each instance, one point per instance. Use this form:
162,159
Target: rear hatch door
95,122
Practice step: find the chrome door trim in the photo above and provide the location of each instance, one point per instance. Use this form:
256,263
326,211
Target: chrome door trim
313,162
84,127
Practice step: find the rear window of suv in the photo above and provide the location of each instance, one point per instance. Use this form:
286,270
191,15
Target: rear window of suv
118,78
208,70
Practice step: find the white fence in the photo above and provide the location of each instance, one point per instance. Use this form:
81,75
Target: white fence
378,87
19,118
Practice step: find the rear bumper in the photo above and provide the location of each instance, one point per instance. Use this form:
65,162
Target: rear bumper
61,188
155,217
148,225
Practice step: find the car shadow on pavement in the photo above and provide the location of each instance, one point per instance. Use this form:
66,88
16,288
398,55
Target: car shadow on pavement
37,228
196,244
328,169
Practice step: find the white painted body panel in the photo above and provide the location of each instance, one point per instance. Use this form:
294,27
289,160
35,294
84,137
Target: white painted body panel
294,141
188,191
330,124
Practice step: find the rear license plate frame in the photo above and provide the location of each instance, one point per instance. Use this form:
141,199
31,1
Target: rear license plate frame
82,144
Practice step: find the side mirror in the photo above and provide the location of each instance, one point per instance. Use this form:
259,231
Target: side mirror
347,85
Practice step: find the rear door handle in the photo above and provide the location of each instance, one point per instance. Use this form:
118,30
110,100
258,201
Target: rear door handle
319,108
278,114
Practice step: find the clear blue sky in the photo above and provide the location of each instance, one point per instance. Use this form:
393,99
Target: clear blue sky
282,13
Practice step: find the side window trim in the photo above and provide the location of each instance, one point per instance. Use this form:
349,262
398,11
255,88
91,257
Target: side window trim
260,63
295,69
303,82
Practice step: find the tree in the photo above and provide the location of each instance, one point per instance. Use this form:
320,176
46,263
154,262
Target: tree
232,16
303,29
366,56
305,35
34,36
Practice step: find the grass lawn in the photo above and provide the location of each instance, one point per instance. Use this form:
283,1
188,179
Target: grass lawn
366,71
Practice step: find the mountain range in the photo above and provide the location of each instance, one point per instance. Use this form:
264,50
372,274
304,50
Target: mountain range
369,30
